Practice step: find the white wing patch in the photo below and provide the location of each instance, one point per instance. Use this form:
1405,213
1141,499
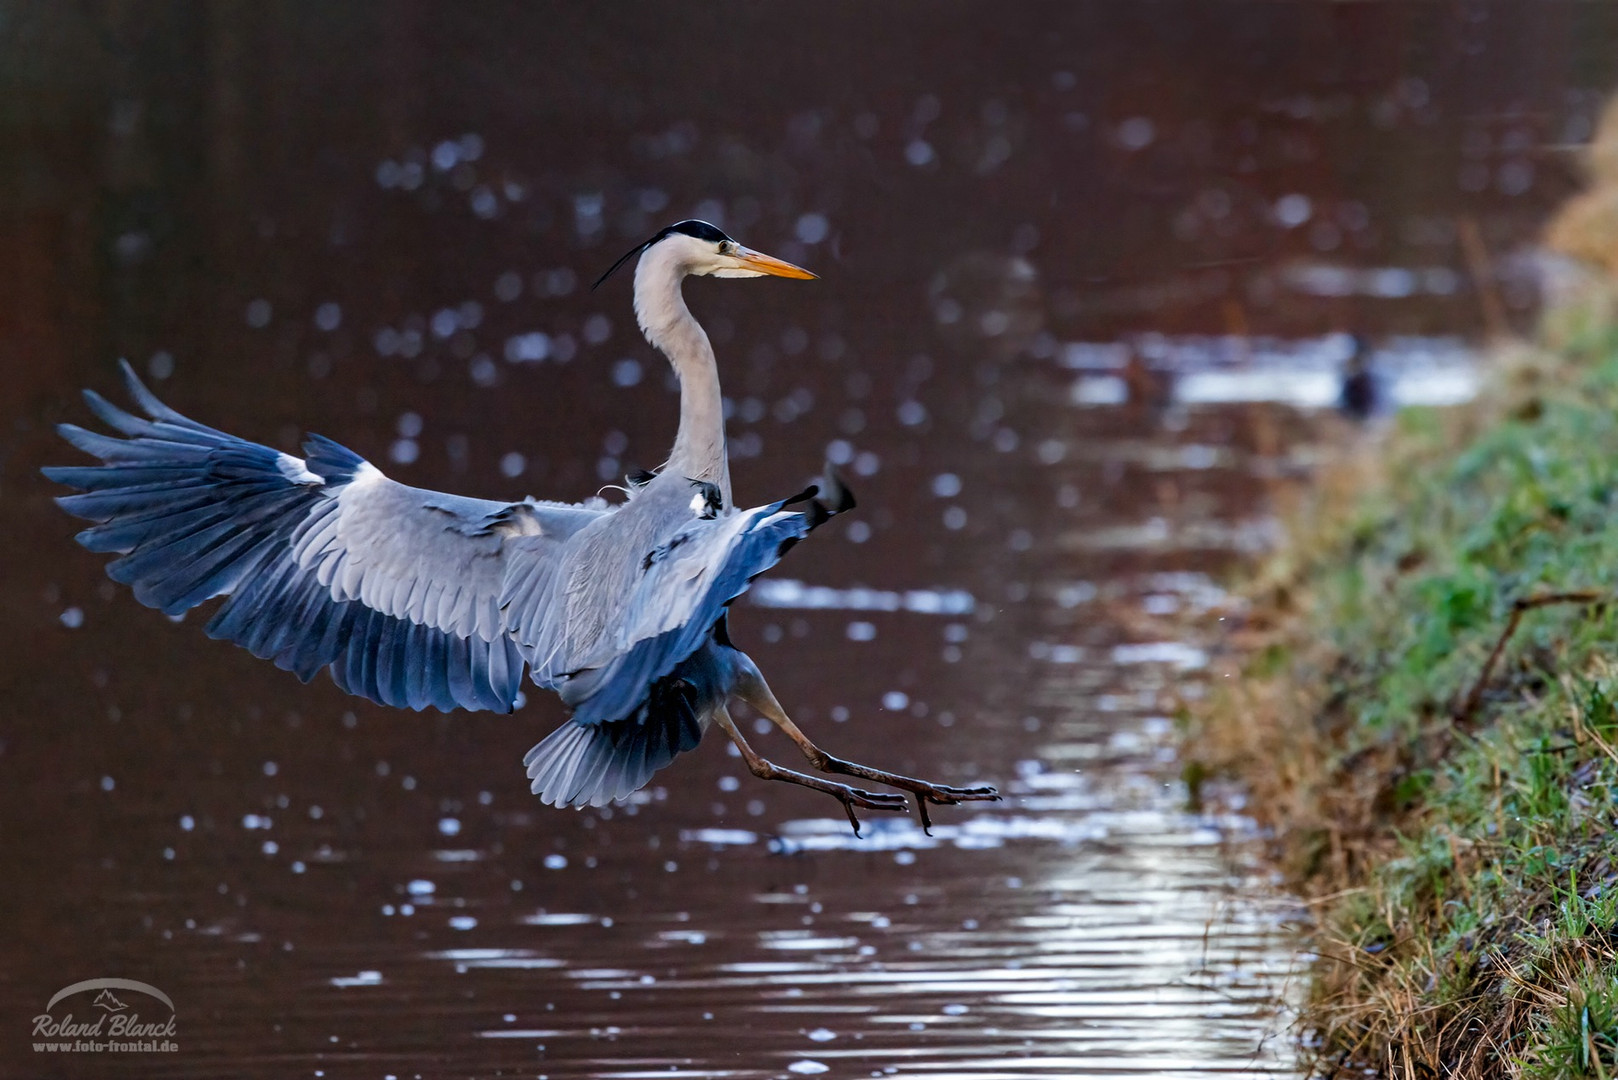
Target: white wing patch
412,554
296,471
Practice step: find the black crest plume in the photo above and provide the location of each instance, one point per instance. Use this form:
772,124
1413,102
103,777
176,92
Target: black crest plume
702,230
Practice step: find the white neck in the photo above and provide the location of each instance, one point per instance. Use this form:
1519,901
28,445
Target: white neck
699,445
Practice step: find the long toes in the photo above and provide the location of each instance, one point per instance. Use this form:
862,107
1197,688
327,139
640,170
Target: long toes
944,795
880,800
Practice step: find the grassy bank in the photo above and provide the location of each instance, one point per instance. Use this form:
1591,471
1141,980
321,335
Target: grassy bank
1462,856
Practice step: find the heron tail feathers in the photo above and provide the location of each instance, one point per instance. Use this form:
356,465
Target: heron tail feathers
595,764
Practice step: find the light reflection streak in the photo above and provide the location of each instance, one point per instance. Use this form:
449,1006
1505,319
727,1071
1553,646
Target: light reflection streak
787,593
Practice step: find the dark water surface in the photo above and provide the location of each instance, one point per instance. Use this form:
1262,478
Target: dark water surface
1087,279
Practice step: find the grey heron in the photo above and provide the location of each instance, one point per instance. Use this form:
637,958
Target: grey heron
415,598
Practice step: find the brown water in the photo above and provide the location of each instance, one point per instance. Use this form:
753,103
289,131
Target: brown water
1086,276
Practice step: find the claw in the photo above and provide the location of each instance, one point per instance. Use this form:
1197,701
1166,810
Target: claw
944,795
870,800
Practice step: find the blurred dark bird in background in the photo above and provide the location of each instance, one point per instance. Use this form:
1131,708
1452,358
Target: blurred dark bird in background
1362,395
1150,389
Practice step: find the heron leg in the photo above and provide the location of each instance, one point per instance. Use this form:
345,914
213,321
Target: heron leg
756,692
850,797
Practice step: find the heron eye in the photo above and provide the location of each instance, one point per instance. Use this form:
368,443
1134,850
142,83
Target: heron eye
727,247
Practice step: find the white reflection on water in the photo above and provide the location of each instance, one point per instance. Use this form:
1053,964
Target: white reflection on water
1178,653
464,959
788,593
1303,372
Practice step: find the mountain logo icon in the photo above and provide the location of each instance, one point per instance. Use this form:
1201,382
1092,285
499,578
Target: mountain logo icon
105,1000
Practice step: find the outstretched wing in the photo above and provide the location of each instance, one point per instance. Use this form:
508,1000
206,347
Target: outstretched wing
325,561
683,588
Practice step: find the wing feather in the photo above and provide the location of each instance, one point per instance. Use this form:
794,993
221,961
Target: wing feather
324,562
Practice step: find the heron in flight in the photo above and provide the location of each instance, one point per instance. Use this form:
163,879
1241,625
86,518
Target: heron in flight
414,598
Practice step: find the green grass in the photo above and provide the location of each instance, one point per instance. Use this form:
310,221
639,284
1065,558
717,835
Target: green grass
1471,869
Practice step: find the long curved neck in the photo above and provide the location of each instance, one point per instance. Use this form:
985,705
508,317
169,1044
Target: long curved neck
699,444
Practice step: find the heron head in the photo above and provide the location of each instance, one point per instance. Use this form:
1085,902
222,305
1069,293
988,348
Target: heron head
696,247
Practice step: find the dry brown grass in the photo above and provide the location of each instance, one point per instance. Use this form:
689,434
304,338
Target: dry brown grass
1585,230
1286,720
1410,1000
1463,876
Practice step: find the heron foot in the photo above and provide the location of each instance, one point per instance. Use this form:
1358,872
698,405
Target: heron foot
851,797
925,791
944,795
753,690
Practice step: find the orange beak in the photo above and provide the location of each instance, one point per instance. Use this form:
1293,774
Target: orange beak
761,263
